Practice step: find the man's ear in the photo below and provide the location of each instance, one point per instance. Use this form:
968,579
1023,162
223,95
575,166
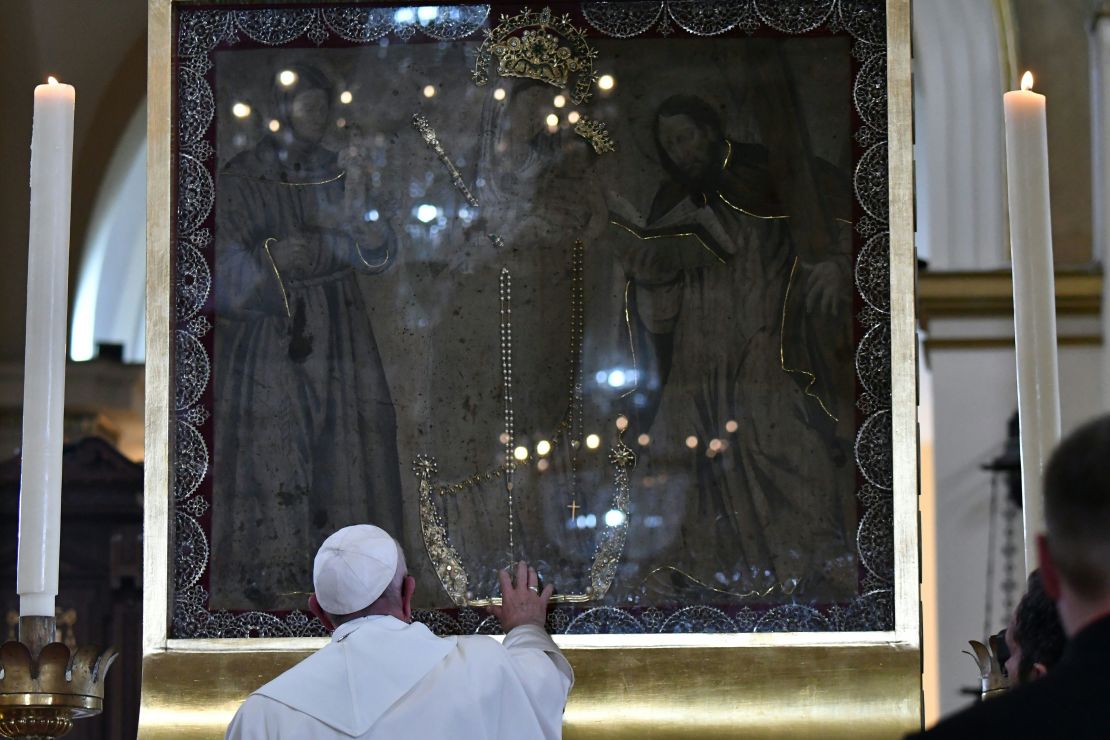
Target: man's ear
319,613
1050,577
408,588
1037,671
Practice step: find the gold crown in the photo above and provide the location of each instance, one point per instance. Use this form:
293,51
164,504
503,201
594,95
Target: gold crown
541,47
41,696
595,133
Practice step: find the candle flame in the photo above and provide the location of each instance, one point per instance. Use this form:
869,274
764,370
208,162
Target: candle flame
52,80
1027,81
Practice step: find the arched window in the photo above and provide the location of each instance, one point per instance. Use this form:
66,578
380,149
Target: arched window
110,301
959,149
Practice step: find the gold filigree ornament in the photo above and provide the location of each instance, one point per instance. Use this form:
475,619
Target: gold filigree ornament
595,132
448,564
540,46
445,559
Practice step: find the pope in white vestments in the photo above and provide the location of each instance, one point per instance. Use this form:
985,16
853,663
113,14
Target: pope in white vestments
382,676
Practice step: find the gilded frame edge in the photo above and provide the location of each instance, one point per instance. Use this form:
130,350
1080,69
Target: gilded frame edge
244,663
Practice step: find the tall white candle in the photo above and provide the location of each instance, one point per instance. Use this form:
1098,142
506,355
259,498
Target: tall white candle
1034,298
40,494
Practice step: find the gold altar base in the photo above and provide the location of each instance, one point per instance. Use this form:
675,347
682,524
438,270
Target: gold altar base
647,687
44,687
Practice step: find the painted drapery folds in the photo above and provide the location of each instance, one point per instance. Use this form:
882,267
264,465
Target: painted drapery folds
600,285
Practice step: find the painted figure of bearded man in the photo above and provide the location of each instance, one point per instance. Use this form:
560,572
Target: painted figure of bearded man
737,299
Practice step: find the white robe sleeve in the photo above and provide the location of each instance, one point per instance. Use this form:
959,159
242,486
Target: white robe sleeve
248,721
543,671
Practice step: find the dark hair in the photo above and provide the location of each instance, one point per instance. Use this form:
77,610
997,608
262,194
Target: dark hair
1037,629
694,108
1077,508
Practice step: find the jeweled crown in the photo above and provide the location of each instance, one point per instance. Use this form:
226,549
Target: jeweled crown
595,133
539,46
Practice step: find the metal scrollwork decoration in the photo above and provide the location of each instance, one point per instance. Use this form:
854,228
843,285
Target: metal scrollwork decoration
448,565
595,133
540,46
444,557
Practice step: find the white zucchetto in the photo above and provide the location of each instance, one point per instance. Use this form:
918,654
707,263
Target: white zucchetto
353,568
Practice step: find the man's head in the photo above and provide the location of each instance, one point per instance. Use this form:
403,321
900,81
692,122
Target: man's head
1075,554
360,570
1035,636
690,138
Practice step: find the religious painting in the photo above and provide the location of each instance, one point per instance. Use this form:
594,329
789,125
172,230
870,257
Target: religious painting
623,289
603,286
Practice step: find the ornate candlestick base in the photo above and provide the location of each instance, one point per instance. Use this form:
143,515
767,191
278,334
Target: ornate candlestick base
992,681
44,687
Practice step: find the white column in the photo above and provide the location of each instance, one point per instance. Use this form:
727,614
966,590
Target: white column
1100,145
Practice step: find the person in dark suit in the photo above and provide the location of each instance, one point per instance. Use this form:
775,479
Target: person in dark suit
1070,700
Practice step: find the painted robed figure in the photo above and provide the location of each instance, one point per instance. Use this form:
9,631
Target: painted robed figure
738,298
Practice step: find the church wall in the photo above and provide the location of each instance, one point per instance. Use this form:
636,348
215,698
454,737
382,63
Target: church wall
98,47
959,157
1100,135
1052,41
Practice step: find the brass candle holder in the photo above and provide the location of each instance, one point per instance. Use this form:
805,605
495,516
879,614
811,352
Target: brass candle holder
44,686
993,682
